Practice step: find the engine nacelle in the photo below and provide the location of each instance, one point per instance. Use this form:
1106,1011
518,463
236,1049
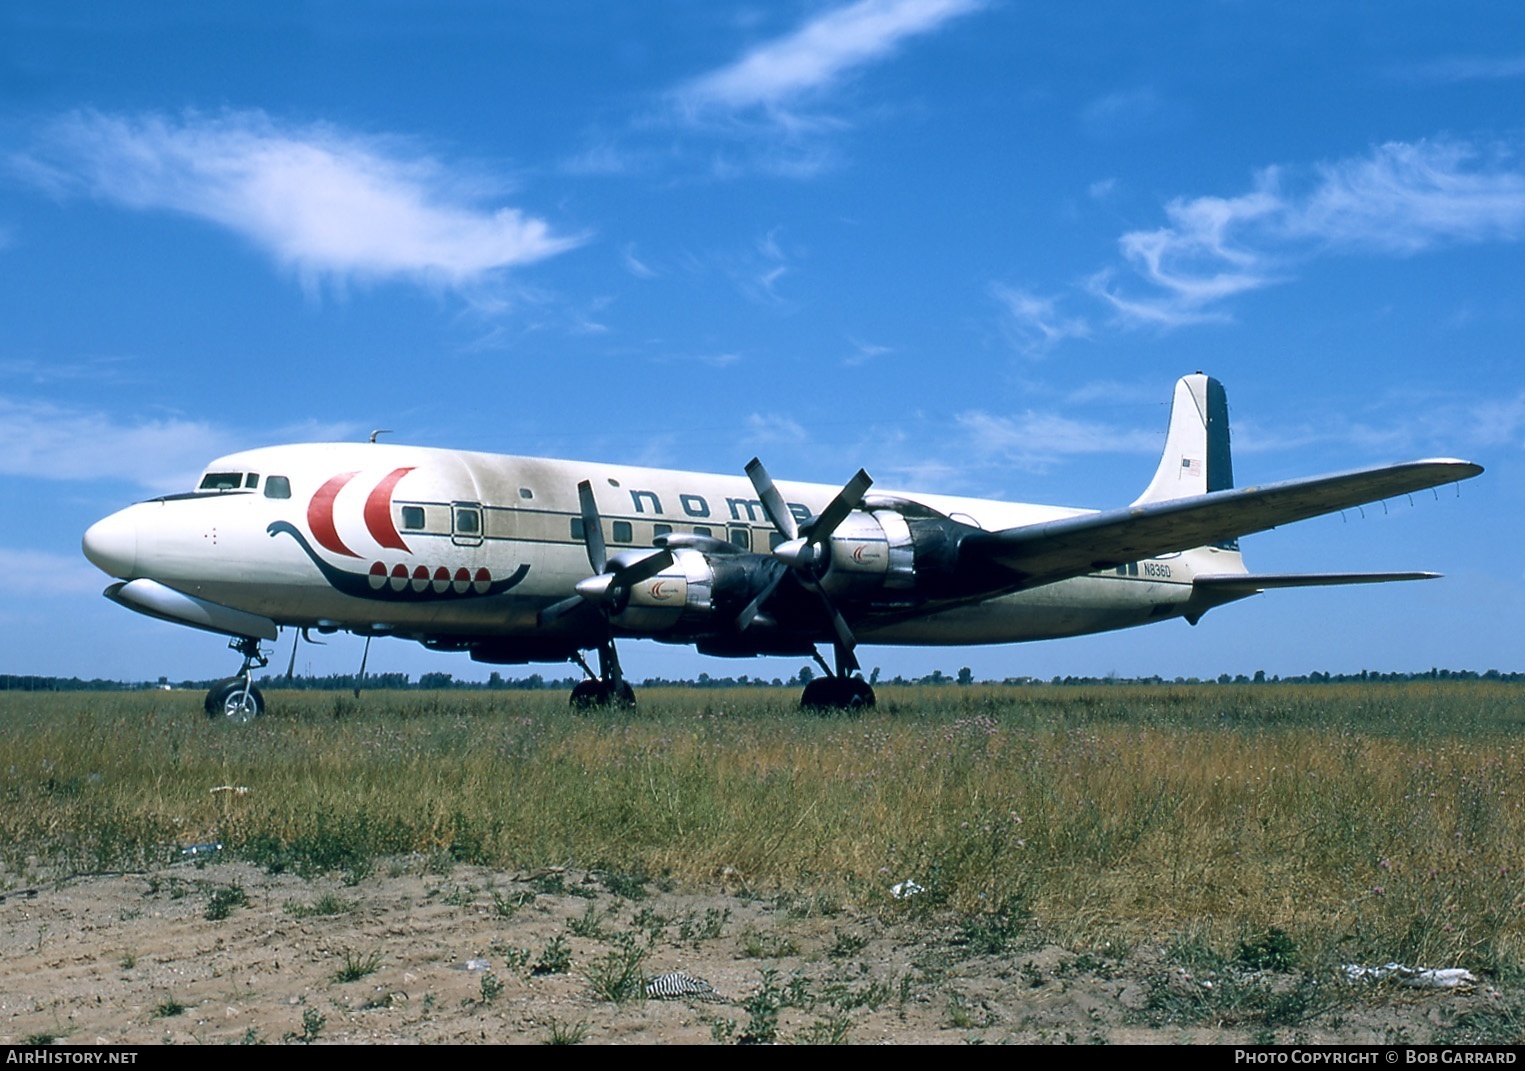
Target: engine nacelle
692,593
898,553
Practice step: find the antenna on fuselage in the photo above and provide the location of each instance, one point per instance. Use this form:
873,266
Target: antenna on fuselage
380,431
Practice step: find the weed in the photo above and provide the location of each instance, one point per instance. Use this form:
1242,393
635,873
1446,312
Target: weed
756,945
555,959
515,959
723,1031
552,884
357,966
705,928
251,1037
312,1025
491,987
652,923
588,924
128,961
626,886
461,896
567,1033
168,1009
762,1009
39,1039
617,976
831,1031
959,1015
326,905
1272,951
847,944
506,905
995,932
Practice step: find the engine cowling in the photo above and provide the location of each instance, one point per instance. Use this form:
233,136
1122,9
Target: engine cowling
693,594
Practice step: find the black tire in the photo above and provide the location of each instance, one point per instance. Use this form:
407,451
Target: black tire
590,694
228,701
827,696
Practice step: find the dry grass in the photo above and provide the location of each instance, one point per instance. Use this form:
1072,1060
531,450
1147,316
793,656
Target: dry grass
1367,822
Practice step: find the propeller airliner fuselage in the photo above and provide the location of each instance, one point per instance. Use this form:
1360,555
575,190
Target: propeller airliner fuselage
518,560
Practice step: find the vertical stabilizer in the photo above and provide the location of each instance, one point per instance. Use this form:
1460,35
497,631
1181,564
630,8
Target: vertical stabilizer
1197,457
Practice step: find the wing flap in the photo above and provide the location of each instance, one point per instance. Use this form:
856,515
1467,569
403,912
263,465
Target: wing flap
1056,550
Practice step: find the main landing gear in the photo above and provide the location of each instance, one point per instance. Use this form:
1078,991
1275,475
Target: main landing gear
236,698
608,687
842,691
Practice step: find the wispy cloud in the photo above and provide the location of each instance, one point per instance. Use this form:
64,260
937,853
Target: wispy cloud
1402,198
780,73
1034,324
1034,440
43,440
333,206
1466,69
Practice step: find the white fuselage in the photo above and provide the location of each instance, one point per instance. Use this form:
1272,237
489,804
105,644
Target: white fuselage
438,544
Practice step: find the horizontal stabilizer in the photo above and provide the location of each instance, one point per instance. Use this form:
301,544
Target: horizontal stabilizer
1250,583
1056,550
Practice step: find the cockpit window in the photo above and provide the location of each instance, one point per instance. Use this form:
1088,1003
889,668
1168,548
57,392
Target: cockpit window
222,481
278,487
251,481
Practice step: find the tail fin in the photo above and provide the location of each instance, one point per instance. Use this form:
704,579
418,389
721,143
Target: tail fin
1197,458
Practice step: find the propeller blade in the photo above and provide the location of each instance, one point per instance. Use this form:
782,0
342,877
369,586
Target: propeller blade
749,613
846,501
292,665
846,641
644,569
592,528
772,502
558,609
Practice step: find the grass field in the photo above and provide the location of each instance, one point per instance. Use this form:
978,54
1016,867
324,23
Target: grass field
1366,823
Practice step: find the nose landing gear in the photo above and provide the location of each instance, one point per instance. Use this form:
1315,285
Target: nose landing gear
236,698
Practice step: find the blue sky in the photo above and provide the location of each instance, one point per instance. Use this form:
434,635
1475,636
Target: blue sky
967,245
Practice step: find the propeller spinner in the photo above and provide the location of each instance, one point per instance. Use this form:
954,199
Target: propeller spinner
609,586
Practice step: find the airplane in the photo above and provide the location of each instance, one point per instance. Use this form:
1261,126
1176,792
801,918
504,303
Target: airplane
520,560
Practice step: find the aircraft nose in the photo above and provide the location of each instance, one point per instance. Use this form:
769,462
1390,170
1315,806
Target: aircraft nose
111,544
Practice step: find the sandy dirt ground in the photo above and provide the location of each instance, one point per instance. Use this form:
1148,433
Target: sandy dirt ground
413,953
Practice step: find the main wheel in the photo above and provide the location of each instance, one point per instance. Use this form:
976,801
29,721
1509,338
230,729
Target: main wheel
837,695
233,700
591,693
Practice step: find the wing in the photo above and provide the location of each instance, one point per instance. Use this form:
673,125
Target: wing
1056,550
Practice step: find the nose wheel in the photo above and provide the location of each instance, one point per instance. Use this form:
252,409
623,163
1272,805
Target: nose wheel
236,698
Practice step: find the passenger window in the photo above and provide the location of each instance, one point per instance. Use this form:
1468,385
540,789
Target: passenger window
412,518
741,537
660,529
468,522
622,532
278,487
525,492
700,530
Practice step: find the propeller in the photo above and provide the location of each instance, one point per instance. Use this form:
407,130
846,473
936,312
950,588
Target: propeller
609,586
806,551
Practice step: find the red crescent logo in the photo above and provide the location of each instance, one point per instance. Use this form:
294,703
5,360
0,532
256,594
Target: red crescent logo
320,515
858,554
658,593
378,512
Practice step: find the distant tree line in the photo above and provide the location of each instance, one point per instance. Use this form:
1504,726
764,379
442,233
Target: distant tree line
534,682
